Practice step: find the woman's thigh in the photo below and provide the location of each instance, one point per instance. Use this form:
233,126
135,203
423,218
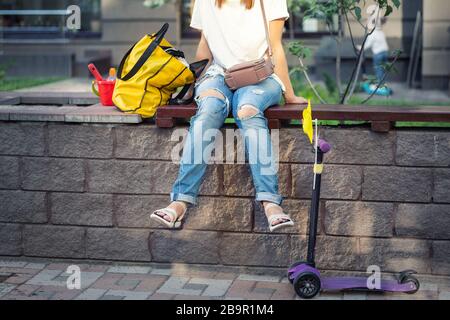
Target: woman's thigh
262,95
213,86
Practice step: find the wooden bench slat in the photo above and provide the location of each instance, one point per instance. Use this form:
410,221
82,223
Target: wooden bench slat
334,112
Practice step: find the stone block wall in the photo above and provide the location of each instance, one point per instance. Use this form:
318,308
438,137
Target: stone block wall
85,191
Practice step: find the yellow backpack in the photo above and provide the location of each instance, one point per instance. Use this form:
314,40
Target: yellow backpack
150,73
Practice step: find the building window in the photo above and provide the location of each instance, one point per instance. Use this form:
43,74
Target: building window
299,27
187,31
296,25
47,19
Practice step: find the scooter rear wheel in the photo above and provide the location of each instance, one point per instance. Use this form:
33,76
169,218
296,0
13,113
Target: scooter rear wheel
307,285
411,279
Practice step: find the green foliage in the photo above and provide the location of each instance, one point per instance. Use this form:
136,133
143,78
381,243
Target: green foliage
2,72
4,67
154,4
330,83
298,49
25,82
326,10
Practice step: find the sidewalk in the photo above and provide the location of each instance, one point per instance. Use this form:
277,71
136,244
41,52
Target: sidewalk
401,91
68,85
46,280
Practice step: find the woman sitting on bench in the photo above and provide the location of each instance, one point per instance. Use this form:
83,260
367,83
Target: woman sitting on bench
233,33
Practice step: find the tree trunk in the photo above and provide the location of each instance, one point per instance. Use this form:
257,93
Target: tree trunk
338,53
292,27
178,9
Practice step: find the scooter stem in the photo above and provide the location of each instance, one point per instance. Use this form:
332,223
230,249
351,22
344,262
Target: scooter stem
314,213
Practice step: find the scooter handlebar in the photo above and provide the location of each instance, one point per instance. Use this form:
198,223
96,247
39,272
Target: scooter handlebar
324,146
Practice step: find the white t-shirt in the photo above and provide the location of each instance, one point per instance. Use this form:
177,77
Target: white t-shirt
377,41
235,34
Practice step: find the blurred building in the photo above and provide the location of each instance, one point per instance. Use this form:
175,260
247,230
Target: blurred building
37,42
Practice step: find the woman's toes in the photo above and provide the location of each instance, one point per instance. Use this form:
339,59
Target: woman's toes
278,221
164,216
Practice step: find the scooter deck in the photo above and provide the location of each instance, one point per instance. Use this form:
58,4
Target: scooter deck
356,283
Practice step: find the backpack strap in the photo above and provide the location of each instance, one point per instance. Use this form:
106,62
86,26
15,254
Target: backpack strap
159,36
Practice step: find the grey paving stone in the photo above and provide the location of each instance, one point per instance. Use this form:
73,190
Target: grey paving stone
48,278
6,288
194,286
214,287
162,272
254,277
175,285
130,269
86,100
9,100
4,115
445,295
39,113
50,98
59,278
126,295
128,283
101,114
355,296
33,265
43,293
91,294
12,264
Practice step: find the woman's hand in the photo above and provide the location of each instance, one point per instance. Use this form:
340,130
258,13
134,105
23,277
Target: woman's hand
295,100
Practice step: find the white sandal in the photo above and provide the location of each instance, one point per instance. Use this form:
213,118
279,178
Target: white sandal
175,221
281,216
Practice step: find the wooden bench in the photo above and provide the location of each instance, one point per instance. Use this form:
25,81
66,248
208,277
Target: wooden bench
380,117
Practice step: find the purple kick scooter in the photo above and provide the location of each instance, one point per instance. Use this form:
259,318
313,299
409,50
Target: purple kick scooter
304,276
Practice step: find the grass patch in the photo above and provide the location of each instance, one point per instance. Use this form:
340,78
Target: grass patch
11,84
329,94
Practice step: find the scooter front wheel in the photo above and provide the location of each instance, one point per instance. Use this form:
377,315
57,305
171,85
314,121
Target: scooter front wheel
295,264
307,285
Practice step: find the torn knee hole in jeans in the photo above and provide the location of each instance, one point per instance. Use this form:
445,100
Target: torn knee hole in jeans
210,93
247,111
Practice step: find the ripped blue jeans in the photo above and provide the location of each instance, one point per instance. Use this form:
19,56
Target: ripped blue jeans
211,114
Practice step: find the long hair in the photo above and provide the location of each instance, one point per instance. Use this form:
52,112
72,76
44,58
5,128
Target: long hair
248,3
